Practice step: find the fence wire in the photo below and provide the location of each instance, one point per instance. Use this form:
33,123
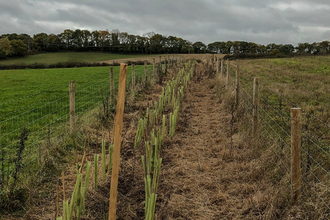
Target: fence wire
47,121
275,126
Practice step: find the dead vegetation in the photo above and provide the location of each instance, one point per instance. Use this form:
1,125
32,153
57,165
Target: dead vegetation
212,168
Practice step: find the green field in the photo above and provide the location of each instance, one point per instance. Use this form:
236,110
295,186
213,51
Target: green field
303,80
52,58
21,84
38,101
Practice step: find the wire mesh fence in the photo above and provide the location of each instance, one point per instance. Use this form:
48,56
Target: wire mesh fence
25,131
275,126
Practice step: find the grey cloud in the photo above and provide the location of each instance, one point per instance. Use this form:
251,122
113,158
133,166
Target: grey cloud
260,21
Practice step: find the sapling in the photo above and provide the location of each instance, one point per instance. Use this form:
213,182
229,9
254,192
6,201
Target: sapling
96,170
147,112
88,169
163,129
110,157
103,159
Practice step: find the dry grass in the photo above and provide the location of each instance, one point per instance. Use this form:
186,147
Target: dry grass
303,80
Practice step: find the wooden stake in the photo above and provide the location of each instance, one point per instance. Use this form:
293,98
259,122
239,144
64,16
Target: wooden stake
221,68
217,64
228,66
154,66
72,108
255,105
145,70
237,87
57,199
76,146
63,183
82,162
112,87
133,77
296,154
117,141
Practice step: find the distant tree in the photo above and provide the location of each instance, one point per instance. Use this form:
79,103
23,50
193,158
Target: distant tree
123,39
19,48
86,38
261,49
286,48
315,48
187,47
199,47
67,37
12,36
114,40
140,44
77,38
173,44
271,47
131,44
228,47
54,43
157,43
40,42
104,40
95,39
236,47
5,48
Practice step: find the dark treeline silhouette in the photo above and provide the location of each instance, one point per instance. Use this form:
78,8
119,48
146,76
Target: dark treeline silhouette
14,45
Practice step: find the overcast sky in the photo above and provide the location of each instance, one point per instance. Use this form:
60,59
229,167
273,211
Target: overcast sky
260,21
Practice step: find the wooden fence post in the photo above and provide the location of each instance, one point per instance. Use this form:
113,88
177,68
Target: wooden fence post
112,87
133,77
154,66
237,87
63,184
296,178
217,65
145,70
221,68
72,108
255,105
117,141
228,66
165,63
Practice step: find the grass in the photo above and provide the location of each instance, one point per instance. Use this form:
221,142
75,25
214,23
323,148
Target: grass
52,58
22,85
38,100
303,80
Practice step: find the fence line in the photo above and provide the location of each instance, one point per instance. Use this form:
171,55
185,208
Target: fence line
275,120
46,121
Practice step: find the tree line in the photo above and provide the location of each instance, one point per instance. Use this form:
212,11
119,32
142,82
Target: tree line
15,45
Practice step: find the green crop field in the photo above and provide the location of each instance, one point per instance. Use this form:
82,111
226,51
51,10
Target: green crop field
52,58
21,84
38,100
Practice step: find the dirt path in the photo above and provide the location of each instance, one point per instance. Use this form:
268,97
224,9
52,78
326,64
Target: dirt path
202,177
